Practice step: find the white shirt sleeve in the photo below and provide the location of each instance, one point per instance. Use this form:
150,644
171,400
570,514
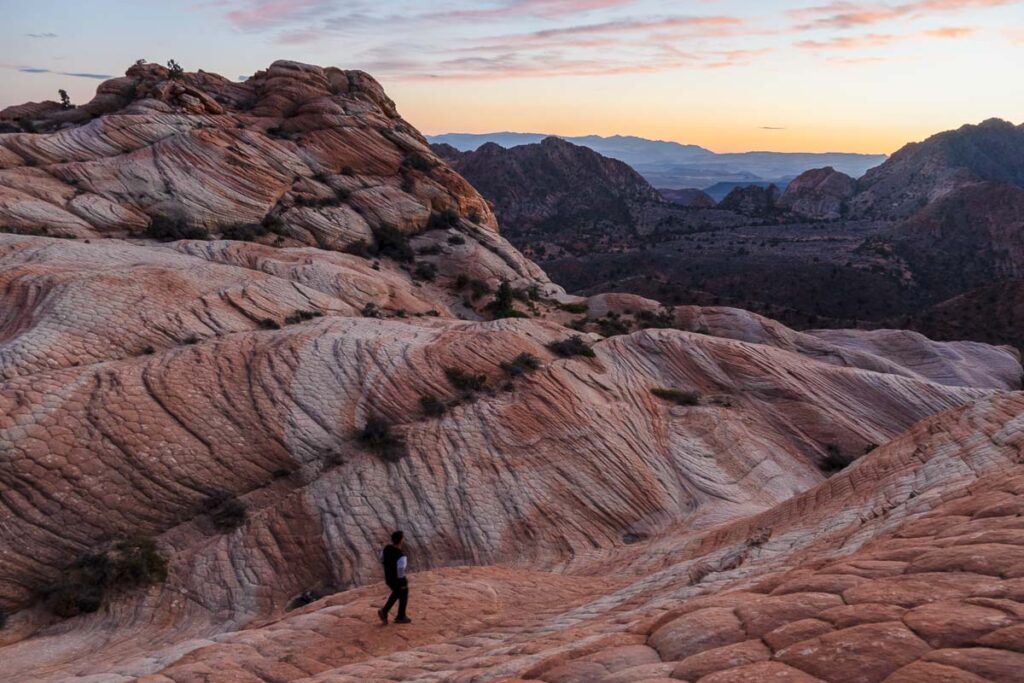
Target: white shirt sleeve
401,567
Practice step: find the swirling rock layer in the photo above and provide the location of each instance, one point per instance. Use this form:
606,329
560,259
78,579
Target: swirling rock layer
140,380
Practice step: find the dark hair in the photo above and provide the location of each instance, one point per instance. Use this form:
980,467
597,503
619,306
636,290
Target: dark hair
397,537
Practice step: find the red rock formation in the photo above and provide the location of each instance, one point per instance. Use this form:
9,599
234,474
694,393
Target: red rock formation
659,510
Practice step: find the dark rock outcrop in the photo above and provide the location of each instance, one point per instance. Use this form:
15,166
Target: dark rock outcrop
819,194
689,197
922,172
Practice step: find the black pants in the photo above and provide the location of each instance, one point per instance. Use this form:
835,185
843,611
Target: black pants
399,594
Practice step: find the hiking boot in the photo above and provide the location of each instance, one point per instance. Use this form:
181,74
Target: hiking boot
383,615
403,620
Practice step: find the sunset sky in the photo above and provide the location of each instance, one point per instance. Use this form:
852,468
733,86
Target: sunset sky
730,75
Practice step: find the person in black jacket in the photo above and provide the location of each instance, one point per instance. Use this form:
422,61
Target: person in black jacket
394,561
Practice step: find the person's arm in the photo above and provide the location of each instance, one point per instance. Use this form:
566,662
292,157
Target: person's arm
401,567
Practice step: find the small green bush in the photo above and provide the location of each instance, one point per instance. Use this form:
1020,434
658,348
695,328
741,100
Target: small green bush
464,381
576,309
419,163
612,326
835,460
269,324
425,271
573,346
456,240
174,70
443,220
390,241
167,228
244,232
370,310
301,316
678,396
520,365
432,406
225,511
378,436
82,586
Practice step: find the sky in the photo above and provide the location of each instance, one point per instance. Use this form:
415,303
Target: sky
730,75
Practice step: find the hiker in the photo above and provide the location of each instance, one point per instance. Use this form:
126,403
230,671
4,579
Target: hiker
394,561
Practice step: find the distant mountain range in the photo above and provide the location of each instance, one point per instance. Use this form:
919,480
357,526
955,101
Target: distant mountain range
673,165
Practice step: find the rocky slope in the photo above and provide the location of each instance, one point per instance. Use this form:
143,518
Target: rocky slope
922,172
819,194
692,198
554,196
200,436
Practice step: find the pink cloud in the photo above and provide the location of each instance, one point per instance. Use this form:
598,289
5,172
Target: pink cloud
261,14
849,42
546,8
951,32
844,14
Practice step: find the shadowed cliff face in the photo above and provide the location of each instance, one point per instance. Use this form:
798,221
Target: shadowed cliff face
564,504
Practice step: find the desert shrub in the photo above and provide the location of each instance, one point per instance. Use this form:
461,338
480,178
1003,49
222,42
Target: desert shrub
478,288
348,171
419,163
464,381
474,216
244,232
343,194
169,228
834,460
370,310
443,220
359,248
456,240
136,562
148,350
502,305
661,319
573,346
378,436
520,365
301,316
27,125
174,69
575,309
390,241
432,406
269,324
678,396
425,271
191,339
225,511
82,586
612,326
65,100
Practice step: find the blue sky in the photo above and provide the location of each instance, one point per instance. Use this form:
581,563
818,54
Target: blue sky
814,75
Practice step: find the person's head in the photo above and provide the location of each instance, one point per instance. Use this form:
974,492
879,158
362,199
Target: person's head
397,538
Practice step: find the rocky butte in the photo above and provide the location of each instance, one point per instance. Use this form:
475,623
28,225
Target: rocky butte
249,328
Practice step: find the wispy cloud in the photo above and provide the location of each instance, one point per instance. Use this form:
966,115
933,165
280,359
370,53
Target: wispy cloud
882,39
41,35
843,14
772,128
74,74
